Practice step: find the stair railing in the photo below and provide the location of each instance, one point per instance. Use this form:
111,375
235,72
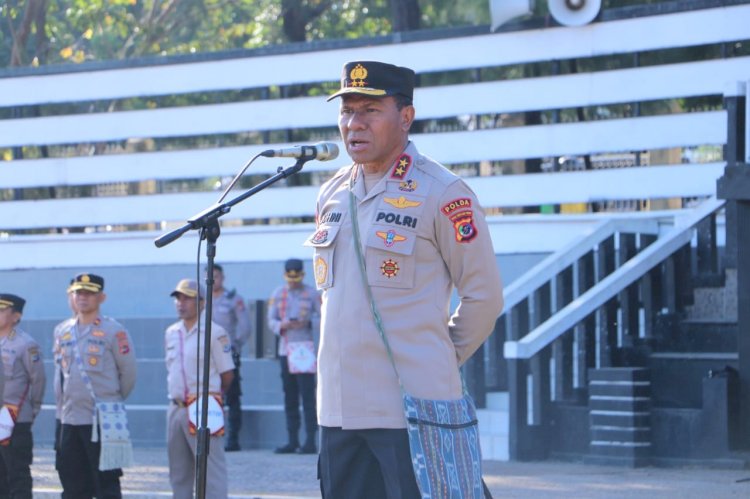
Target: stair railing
593,304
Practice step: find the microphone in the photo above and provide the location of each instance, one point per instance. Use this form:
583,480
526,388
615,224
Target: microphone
322,151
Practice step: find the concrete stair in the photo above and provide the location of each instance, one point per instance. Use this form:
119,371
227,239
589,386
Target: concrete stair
494,427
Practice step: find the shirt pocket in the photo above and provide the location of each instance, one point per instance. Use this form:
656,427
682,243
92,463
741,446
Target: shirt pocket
92,355
323,243
389,257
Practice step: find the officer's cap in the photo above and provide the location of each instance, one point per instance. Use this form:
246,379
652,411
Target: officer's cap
376,79
15,302
189,288
293,270
87,282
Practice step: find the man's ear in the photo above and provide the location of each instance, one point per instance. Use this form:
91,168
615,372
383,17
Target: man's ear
407,117
17,317
102,297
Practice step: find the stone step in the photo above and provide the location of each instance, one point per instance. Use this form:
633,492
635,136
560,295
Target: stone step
494,427
498,401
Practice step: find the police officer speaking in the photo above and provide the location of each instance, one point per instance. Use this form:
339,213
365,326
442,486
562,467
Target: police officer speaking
23,371
423,234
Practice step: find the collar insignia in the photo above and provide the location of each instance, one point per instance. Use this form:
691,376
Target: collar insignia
401,167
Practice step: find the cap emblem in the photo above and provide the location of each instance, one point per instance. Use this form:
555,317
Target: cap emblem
358,75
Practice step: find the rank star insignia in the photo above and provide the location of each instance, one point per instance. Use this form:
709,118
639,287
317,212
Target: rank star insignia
402,166
390,238
389,268
402,202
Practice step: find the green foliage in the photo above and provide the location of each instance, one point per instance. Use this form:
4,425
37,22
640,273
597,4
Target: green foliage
89,30
447,13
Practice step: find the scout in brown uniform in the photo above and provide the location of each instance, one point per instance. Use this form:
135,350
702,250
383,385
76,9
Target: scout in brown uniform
23,370
229,312
94,353
184,384
423,234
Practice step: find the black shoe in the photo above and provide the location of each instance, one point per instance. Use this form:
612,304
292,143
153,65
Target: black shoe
286,449
307,449
232,447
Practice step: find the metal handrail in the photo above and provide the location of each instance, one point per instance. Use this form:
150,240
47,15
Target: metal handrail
558,261
609,287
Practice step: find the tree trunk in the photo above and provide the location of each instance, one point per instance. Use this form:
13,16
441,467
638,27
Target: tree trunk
297,14
35,15
405,15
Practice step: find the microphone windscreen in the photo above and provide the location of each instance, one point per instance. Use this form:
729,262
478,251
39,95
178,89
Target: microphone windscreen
327,151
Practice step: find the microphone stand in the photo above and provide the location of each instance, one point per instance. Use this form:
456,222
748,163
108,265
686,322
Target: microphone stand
207,222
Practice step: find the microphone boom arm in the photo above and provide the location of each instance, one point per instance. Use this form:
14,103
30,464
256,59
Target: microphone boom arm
215,211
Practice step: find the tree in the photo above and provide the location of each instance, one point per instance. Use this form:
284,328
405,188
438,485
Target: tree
20,26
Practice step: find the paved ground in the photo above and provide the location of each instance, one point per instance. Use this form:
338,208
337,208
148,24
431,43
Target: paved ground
262,474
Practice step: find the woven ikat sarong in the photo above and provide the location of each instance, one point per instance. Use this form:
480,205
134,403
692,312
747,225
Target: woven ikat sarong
444,443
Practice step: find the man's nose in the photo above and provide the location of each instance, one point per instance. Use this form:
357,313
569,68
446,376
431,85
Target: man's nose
356,120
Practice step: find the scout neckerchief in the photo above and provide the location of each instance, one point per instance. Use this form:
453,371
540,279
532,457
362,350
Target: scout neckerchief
84,374
282,303
215,410
284,297
185,392
282,316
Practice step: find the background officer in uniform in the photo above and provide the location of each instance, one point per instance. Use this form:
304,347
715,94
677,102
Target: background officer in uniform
423,234
229,312
294,315
22,395
184,384
98,348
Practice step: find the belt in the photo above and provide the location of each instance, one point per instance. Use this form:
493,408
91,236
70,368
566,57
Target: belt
178,402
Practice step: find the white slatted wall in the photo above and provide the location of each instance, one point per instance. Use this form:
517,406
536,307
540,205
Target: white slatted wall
692,79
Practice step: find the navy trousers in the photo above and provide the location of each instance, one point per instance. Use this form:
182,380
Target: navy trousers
366,464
